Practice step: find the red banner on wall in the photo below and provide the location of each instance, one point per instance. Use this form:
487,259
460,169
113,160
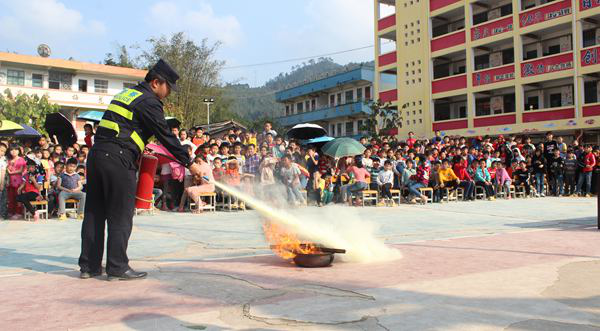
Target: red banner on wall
449,40
492,29
545,13
494,75
588,4
547,65
437,4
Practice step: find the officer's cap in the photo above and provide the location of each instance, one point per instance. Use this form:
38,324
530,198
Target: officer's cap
163,69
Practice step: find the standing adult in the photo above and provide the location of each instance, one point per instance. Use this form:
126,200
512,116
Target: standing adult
132,117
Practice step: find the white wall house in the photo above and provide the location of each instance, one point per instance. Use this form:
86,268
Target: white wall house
74,86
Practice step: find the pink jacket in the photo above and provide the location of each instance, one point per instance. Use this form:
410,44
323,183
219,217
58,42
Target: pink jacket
502,176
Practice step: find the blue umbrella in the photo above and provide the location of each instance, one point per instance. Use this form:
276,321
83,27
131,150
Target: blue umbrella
91,115
323,139
27,132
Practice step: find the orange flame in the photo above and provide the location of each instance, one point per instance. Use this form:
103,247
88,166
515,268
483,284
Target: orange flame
286,244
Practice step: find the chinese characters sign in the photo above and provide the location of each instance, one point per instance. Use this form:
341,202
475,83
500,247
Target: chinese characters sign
590,56
588,4
547,65
494,75
492,29
546,13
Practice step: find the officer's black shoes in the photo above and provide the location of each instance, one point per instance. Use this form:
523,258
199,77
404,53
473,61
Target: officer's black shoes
89,274
128,275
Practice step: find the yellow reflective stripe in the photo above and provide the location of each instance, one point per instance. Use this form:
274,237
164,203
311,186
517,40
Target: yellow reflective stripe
138,140
109,125
121,111
127,96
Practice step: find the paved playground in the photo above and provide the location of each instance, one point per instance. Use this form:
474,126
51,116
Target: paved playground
525,264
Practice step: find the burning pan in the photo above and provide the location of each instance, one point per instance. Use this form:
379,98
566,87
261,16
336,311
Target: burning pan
315,260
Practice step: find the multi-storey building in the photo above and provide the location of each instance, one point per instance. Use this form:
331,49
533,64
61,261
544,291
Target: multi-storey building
74,86
477,67
336,102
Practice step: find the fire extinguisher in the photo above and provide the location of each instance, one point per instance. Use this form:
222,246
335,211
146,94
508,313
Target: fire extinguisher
145,186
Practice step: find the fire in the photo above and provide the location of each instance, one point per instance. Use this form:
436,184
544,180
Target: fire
286,244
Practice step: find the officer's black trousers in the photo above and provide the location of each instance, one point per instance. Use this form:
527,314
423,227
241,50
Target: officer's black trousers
111,187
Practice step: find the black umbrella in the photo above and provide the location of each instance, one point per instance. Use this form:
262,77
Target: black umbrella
58,125
306,131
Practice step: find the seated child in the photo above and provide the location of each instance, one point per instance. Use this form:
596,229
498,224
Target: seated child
70,185
30,189
385,180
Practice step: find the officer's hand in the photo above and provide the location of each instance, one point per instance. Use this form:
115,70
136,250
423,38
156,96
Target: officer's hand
195,169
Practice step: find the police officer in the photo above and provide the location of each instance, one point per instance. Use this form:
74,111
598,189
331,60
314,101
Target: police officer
133,116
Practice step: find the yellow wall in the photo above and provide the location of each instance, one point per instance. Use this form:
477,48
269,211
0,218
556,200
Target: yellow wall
408,12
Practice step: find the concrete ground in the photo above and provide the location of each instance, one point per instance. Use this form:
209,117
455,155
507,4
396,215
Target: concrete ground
525,264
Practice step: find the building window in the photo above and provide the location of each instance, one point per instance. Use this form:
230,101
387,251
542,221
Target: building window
331,100
359,95
300,107
37,80
313,104
590,92
332,130
349,128
16,77
368,92
339,98
339,129
350,96
83,85
287,110
60,80
128,85
589,38
100,86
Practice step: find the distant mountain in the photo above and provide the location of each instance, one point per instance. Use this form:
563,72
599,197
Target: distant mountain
256,103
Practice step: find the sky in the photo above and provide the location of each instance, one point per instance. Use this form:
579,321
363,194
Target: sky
251,32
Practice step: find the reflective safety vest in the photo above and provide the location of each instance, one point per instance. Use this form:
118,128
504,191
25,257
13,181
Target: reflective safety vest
119,117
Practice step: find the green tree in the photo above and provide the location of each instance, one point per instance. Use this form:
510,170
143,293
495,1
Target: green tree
122,57
382,118
199,76
26,109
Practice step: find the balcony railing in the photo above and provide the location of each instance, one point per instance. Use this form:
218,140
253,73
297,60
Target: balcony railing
449,83
437,4
454,124
549,114
493,120
591,110
386,22
548,64
589,56
65,97
492,28
387,58
448,40
545,13
326,113
388,96
494,75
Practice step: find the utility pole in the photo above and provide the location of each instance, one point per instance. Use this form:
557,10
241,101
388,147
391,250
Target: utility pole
208,102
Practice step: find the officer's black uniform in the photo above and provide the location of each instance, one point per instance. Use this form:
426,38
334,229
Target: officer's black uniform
133,116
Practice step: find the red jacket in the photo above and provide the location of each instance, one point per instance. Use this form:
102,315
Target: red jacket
460,169
590,162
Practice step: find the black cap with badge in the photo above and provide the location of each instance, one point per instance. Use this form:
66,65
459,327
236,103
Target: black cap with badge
164,70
